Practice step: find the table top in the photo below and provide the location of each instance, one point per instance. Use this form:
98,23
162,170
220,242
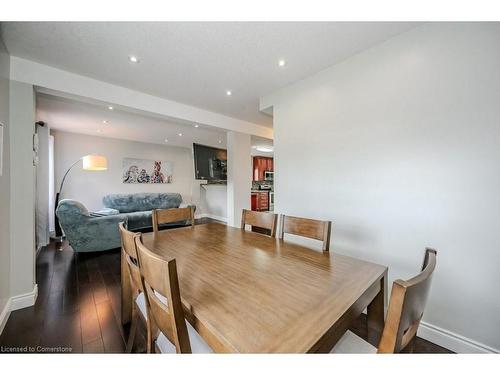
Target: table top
249,293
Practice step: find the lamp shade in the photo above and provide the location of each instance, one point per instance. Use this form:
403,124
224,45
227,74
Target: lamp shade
95,163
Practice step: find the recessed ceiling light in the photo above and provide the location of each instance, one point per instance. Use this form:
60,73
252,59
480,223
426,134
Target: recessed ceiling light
180,134
105,122
110,108
166,140
133,59
229,93
264,149
282,63
220,141
196,126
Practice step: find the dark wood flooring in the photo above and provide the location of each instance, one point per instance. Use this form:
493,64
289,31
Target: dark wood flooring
78,307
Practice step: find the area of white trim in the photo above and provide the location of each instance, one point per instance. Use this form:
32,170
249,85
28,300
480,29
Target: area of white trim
452,341
24,300
4,315
66,84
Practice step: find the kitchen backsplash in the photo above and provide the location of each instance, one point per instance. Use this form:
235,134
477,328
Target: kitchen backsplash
256,184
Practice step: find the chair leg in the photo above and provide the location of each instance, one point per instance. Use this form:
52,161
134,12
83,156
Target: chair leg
133,330
150,340
152,348
150,337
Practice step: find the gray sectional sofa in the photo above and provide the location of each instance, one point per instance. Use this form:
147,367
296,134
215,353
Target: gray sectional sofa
97,231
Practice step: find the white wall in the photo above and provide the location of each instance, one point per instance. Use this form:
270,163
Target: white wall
214,201
42,212
90,187
22,194
4,188
239,176
400,147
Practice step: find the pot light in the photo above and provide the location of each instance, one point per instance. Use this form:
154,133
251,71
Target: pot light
166,140
264,149
282,63
229,93
196,126
220,141
180,134
105,122
110,108
133,59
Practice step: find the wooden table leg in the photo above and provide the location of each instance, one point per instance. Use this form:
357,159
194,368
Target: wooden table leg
126,292
375,318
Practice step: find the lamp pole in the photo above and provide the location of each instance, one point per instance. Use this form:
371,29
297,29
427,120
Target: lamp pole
58,229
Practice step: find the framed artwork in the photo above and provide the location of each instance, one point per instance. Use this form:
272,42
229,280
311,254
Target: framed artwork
141,171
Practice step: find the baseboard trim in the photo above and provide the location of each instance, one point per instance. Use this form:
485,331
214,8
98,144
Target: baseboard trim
24,300
210,216
452,341
4,315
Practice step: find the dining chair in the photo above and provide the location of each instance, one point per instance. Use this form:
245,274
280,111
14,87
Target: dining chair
129,253
310,228
263,220
164,307
406,308
172,215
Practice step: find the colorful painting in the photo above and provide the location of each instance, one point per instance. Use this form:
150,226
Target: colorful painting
140,171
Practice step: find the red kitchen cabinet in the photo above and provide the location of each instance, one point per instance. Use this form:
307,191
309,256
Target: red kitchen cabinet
270,165
260,201
261,164
254,202
263,201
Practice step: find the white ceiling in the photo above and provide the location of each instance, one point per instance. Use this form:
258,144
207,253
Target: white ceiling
86,118
196,62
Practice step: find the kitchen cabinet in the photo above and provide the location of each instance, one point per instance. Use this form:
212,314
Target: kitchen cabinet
254,202
262,164
260,201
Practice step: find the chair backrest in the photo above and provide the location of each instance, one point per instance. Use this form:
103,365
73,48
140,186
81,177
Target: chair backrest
264,220
160,278
172,215
129,252
310,228
406,307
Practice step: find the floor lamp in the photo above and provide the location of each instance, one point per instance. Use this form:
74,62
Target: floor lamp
89,163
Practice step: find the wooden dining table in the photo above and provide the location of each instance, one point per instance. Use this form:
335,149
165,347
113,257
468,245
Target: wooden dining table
245,292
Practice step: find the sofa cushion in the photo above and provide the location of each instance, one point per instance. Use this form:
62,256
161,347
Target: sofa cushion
142,201
106,212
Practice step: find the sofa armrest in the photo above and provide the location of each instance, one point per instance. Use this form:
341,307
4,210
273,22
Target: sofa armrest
98,233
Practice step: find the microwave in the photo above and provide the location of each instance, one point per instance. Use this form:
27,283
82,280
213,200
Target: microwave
268,176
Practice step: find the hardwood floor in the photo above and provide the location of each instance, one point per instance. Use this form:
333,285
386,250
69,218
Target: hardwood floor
78,307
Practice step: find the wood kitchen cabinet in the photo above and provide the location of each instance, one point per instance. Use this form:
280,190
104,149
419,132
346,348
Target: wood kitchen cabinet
262,164
260,201
254,202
